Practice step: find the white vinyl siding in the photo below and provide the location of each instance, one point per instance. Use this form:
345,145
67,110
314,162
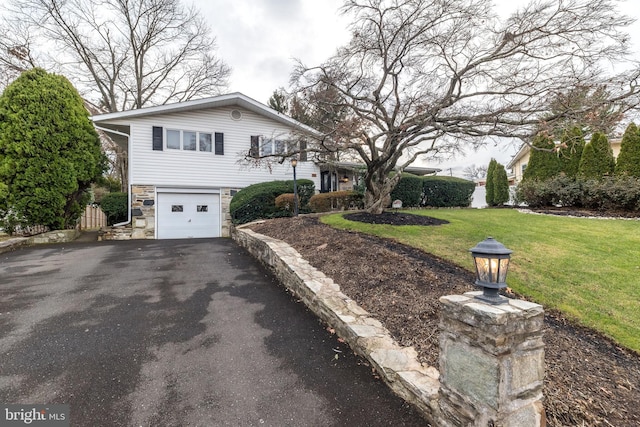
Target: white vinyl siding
202,168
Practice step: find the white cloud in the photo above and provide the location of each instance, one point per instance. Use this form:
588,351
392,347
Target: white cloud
259,39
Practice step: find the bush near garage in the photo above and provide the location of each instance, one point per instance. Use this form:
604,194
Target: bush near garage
408,190
259,200
335,200
115,207
447,192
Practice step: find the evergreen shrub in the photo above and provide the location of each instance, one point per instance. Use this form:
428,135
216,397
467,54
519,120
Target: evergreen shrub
409,190
445,191
115,207
258,200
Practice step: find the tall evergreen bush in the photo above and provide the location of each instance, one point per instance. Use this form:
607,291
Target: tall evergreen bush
570,153
597,158
543,160
500,186
49,151
489,186
628,162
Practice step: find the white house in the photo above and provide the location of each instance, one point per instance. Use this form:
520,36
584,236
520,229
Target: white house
184,161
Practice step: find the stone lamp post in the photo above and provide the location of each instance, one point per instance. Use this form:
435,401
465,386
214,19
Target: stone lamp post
491,351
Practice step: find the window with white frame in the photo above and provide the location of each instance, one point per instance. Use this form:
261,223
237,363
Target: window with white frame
272,146
192,141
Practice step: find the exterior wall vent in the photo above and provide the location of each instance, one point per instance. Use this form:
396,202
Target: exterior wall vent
236,114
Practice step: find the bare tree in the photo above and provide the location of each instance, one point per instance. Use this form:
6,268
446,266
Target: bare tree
420,77
474,172
126,53
16,55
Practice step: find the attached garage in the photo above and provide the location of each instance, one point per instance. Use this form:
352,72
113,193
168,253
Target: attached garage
187,214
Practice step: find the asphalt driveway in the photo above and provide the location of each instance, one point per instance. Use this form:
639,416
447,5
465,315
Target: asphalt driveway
175,333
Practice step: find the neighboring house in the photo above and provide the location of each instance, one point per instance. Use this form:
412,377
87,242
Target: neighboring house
184,161
519,162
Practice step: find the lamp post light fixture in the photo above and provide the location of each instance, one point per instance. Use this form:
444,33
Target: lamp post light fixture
491,259
294,163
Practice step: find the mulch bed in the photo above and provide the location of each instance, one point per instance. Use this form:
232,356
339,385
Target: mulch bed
590,381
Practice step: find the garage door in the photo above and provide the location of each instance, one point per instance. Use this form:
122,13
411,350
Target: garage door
188,215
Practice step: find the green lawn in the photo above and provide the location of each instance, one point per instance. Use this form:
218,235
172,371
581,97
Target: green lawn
587,268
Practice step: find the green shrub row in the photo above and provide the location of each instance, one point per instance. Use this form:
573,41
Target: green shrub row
258,200
434,191
608,193
325,202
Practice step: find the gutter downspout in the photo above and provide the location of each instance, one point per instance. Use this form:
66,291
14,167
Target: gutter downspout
128,171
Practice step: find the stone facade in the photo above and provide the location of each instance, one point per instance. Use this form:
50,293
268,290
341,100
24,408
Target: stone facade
491,362
143,211
225,217
143,215
492,357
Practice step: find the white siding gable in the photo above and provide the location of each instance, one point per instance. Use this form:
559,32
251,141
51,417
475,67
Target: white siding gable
178,168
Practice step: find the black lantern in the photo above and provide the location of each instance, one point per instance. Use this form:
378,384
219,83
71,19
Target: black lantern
491,259
294,163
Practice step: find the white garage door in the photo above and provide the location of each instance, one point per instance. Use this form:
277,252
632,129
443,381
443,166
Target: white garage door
188,215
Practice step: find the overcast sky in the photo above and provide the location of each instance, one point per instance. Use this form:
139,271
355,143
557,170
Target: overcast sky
259,39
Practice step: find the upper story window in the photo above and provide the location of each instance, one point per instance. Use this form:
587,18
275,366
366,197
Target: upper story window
264,147
187,140
272,146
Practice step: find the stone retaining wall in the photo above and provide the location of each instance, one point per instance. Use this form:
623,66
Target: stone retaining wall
491,355
398,366
58,236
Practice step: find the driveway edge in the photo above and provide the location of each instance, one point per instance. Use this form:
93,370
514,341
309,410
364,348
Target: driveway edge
398,366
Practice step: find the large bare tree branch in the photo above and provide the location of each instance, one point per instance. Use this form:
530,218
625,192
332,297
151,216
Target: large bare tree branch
425,76
126,53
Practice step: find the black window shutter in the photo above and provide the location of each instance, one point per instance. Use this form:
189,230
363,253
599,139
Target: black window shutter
219,139
254,151
303,151
157,138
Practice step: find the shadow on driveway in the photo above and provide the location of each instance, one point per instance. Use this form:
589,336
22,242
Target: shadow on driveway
175,333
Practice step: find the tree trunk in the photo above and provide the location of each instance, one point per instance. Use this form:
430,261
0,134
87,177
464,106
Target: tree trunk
379,186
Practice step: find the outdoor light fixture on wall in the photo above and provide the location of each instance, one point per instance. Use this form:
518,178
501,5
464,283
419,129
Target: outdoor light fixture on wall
491,259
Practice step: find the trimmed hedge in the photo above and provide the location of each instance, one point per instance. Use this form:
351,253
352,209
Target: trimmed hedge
114,206
608,193
445,191
258,200
325,202
409,190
